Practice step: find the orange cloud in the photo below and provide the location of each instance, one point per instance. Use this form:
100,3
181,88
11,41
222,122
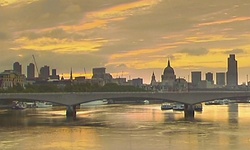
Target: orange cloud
15,2
208,38
59,45
224,21
123,10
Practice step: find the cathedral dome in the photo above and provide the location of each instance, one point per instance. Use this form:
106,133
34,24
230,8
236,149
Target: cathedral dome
168,69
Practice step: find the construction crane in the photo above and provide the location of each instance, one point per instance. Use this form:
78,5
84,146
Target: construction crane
36,65
84,71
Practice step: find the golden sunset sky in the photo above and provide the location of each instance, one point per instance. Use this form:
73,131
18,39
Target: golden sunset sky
131,38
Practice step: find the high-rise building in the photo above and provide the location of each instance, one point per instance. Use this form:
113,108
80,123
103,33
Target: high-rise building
220,78
44,72
31,71
232,71
196,78
209,77
17,67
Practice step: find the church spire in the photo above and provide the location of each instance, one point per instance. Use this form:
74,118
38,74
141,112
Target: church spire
71,74
169,63
153,81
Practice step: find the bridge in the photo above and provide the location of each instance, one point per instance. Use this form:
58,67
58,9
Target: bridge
72,99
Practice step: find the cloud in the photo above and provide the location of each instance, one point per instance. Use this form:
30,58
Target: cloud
195,52
63,46
219,22
235,51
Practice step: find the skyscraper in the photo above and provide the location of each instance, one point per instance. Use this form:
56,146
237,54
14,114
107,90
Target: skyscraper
196,78
232,71
17,67
31,71
44,72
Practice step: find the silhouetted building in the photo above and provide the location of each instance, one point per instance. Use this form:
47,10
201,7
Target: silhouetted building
44,73
71,75
196,78
31,71
232,71
153,80
209,77
100,73
137,82
168,74
119,81
221,78
17,67
54,76
168,78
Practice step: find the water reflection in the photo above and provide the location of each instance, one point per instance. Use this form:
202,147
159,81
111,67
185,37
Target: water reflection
126,127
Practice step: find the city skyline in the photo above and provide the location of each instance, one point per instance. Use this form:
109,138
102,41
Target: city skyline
131,38
168,74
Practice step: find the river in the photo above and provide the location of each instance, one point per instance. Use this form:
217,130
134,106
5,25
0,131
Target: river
126,127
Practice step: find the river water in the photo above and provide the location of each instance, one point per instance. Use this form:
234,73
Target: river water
126,127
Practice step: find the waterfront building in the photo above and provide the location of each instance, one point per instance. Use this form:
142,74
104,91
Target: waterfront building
232,71
17,67
221,79
209,77
10,78
31,71
196,78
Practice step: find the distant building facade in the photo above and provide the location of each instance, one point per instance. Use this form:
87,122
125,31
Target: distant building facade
31,71
221,78
10,78
196,78
209,77
54,75
138,82
232,71
44,72
100,73
17,67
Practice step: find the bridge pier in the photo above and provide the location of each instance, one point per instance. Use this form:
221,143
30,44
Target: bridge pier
71,111
189,111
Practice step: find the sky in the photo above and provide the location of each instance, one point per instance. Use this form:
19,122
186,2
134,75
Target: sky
130,38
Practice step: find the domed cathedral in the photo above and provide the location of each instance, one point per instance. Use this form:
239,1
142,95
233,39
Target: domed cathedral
168,74
168,78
